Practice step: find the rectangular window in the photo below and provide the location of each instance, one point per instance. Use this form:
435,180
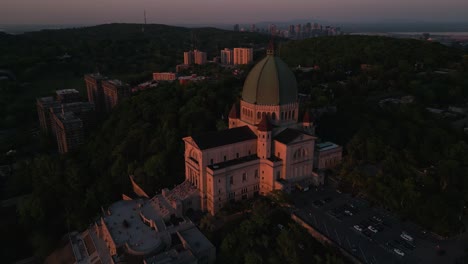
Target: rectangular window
278,174
244,177
237,155
231,180
211,161
224,158
256,174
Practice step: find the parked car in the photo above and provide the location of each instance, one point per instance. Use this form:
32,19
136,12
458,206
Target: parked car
406,237
348,212
358,228
399,252
371,228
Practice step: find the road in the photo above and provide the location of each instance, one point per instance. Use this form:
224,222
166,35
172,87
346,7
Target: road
329,218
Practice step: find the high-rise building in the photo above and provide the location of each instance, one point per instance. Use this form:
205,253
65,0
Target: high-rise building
272,29
243,56
227,56
236,27
68,130
199,57
291,30
298,31
67,96
94,89
189,58
66,118
253,28
113,92
43,105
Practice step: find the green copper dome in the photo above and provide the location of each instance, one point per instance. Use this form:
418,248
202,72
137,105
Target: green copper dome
270,82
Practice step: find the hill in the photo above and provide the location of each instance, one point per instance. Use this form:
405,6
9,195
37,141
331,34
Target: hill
143,135
121,51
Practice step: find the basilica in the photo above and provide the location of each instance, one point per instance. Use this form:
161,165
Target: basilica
266,147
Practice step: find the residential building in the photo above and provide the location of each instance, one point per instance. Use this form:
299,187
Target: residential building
227,56
67,96
42,105
181,67
243,56
199,57
164,76
113,92
194,57
94,90
189,58
68,130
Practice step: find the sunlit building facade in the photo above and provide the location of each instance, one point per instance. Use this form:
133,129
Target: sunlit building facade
266,147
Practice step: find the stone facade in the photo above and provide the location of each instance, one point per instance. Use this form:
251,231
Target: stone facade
265,148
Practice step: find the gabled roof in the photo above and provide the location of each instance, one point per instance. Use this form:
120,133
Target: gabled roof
234,113
289,135
264,124
225,137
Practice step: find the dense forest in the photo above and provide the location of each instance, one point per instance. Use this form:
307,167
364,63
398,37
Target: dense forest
48,60
398,156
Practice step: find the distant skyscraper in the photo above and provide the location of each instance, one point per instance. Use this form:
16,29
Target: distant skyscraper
272,29
298,31
227,56
253,28
243,55
308,30
236,27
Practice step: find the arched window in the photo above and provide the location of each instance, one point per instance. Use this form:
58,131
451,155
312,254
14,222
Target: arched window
293,114
282,115
269,115
273,116
258,115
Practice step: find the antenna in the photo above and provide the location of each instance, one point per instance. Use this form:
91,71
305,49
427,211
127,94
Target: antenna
144,18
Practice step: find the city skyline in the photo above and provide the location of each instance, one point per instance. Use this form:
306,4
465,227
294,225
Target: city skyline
210,11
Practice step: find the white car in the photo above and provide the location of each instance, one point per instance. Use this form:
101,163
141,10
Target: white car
371,228
348,212
399,252
406,237
358,228
377,218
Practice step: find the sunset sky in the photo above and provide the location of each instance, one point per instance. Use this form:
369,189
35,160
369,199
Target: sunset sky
223,11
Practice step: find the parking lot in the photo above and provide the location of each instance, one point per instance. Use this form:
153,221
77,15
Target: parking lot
371,234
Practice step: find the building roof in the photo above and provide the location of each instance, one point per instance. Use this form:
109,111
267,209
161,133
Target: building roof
326,146
234,113
225,137
126,227
196,241
270,82
264,124
288,135
66,91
